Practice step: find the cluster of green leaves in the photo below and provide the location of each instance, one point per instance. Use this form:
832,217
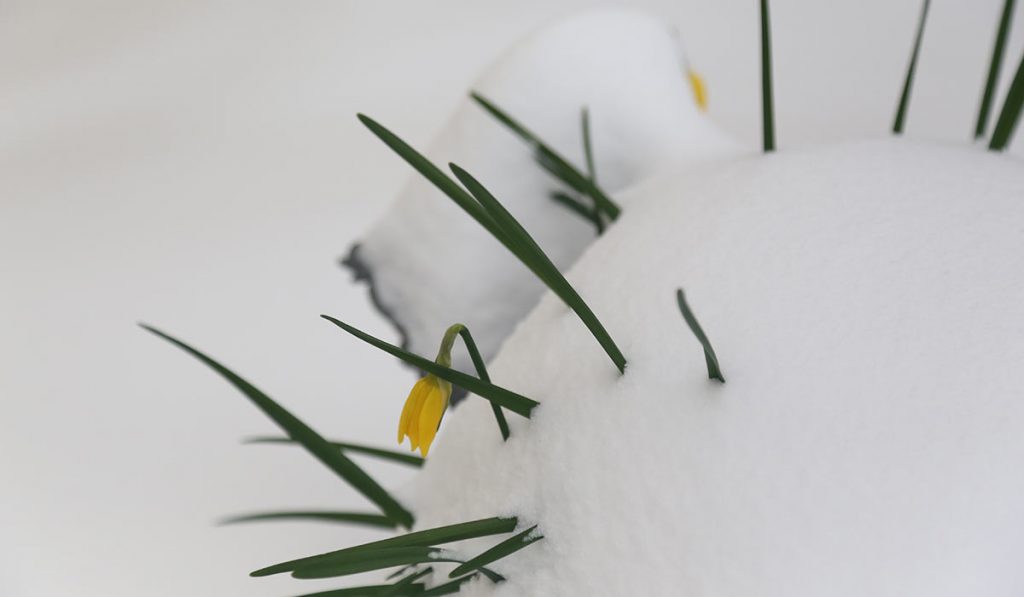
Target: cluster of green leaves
327,453
410,549
1009,115
483,207
559,167
593,212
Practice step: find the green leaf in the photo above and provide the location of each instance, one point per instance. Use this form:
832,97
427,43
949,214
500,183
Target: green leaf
368,560
402,585
452,190
447,588
1010,114
373,520
434,174
481,371
427,537
714,371
908,83
521,405
588,149
399,457
574,205
767,96
521,245
298,431
550,160
499,551
998,51
588,154
554,278
370,591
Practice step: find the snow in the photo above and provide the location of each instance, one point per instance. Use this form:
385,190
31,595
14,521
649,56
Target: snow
866,302
431,266
198,165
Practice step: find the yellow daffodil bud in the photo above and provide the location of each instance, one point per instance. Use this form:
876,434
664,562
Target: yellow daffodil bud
422,413
428,401
700,93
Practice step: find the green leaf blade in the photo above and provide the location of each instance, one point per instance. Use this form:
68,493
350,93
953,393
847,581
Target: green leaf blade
551,160
998,52
424,538
391,455
499,551
767,95
370,560
711,359
517,403
908,83
1009,116
357,518
369,591
554,278
304,435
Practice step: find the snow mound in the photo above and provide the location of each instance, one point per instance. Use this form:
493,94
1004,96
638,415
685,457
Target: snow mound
429,266
867,304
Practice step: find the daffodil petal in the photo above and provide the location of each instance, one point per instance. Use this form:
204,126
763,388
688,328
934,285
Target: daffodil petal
430,418
700,92
403,422
426,386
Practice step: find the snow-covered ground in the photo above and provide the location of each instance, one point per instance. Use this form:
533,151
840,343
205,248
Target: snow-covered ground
198,166
869,435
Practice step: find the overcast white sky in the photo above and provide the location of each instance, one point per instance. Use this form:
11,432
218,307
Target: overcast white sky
198,166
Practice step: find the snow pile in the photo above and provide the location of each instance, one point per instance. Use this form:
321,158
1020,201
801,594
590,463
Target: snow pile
431,266
867,304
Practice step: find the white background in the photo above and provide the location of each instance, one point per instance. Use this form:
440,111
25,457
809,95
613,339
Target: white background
198,166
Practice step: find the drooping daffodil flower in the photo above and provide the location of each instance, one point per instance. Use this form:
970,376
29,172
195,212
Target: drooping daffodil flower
428,401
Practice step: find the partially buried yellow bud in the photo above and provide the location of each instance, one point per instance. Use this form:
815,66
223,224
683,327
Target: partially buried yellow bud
700,92
428,400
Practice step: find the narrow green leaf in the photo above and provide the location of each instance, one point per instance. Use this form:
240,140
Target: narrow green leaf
767,96
427,537
447,588
425,167
370,591
519,404
316,445
1009,116
588,148
401,571
409,459
373,520
408,580
505,548
481,371
551,160
908,83
451,189
556,281
575,206
998,51
714,371
372,559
